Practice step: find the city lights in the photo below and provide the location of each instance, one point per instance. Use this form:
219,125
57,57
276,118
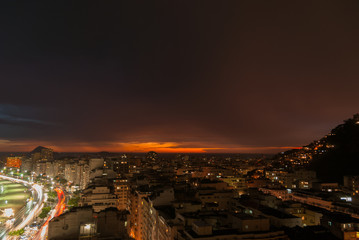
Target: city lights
179,120
8,212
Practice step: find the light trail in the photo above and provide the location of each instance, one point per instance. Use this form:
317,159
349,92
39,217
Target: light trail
35,210
59,209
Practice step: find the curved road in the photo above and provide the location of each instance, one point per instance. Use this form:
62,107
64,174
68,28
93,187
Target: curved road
25,216
59,209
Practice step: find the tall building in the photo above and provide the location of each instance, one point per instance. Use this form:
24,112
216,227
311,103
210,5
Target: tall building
96,163
36,156
50,169
83,223
47,154
121,190
40,167
83,175
143,216
70,173
59,168
121,166
14,162
27,165
99,198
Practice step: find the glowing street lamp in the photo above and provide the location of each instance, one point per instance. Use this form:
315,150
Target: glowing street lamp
8,212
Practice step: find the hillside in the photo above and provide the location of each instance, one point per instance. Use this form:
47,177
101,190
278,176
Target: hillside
343,158
333,156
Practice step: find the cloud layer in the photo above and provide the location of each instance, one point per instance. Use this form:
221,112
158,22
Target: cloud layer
253,76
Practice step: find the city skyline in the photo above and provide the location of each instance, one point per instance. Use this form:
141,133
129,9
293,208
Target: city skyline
179,120
170,77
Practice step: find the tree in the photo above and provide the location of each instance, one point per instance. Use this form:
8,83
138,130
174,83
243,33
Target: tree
17,232
60,180
45,211
73,202
63,181
52,194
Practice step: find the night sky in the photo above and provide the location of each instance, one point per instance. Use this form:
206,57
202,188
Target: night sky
176,76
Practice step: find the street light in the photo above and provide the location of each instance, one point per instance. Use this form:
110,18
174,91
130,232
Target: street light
8,212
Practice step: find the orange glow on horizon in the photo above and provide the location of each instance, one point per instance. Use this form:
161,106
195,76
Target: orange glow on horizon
170,147
141,147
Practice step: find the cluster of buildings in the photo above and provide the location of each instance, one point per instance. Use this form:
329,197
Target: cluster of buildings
202,197
196,197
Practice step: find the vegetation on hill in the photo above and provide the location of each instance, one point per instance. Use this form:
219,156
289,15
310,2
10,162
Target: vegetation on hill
343,158
332,157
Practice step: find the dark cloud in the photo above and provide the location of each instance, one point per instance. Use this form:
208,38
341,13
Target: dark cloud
199,73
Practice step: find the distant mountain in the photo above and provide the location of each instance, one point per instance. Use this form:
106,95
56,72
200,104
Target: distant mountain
38,149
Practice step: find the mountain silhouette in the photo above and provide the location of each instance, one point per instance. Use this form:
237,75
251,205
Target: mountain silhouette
38,149
343,156
333,156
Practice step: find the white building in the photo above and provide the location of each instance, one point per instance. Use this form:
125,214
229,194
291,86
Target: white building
83,174
83,223
70,173
50,169
99,198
